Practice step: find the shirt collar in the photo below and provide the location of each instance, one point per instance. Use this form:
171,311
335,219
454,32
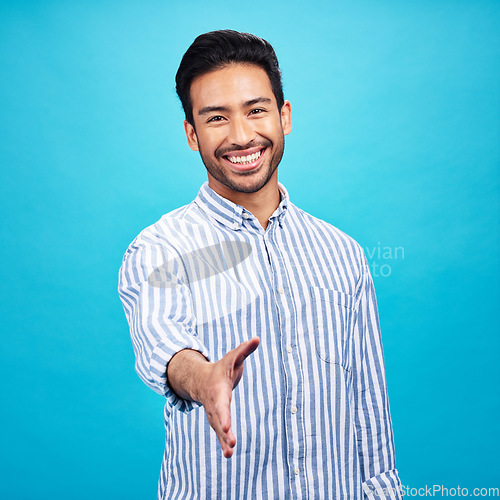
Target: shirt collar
230,214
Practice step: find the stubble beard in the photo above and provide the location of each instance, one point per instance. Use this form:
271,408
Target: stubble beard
219,173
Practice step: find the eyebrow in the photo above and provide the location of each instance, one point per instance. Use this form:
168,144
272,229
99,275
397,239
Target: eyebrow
213,109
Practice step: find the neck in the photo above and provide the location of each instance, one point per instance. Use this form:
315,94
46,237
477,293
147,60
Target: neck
261,204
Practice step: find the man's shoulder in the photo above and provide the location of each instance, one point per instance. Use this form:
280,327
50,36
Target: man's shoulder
173,223
168,231
329,234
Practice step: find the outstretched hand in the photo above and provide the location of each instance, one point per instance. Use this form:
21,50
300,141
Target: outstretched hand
220,378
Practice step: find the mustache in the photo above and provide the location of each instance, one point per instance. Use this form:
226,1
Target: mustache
219,153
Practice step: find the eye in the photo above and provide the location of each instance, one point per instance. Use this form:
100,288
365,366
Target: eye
217,118
257,111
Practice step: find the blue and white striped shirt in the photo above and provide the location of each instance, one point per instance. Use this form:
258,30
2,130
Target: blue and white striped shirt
311,413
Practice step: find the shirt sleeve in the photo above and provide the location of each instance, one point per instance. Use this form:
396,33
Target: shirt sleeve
373,421
157,301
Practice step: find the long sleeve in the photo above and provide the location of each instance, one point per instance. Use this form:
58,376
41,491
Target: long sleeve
373,421
158,306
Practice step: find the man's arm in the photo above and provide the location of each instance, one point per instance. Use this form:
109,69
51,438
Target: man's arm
193,378
159,310
373,420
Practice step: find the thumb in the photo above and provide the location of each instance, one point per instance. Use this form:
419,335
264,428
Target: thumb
244,350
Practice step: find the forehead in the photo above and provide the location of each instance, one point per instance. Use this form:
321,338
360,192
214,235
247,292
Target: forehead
230,86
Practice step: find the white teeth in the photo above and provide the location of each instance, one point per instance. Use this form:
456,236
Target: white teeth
244,159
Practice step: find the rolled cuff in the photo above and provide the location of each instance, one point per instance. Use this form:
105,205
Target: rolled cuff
385,485
160,358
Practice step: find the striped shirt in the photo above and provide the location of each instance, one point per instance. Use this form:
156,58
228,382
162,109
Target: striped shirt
311,412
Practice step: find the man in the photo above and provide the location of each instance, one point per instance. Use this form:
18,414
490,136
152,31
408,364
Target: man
240,285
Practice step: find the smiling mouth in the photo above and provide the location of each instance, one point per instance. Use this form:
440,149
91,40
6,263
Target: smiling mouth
245,160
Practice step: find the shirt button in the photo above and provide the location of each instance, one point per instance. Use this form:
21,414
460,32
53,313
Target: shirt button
281,290
293,409
245,215
236,225
296,470
289,349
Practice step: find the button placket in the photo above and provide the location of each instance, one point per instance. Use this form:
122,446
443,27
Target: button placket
291,361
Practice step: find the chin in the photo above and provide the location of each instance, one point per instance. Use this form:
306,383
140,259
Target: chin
247,183
241,182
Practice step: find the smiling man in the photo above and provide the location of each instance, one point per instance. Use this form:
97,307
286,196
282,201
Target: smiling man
257,321
238,128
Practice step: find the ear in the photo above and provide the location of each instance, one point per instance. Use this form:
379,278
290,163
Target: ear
191,136
286,117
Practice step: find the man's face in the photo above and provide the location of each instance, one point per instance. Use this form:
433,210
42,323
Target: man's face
238,128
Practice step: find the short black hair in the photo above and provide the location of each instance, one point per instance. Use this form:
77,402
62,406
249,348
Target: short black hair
216,50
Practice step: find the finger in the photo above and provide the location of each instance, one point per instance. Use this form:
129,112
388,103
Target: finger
226,450
217,417
225,425
231,438
226,440
223,414
218,411
221,410
224,418
245,349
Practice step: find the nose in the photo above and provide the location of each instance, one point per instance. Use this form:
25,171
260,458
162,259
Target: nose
241,131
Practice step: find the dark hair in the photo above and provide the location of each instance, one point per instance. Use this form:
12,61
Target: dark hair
217,49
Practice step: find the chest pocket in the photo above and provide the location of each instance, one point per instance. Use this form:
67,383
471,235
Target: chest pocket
333,317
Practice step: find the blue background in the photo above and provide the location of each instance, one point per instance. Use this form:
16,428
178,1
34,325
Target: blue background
395,141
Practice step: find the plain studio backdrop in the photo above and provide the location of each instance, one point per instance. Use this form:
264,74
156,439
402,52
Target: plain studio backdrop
395,141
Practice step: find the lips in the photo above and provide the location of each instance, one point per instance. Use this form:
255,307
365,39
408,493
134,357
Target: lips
247,159
241,160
